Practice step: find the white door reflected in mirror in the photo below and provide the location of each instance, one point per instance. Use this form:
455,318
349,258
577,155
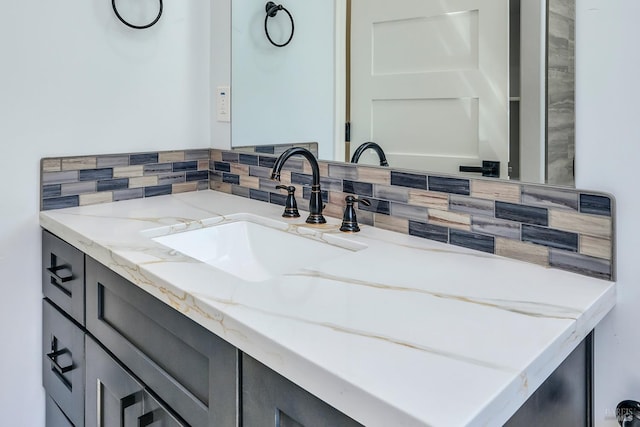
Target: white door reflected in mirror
429,82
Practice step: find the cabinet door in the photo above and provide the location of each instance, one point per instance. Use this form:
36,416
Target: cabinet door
270,400
187,366
116,399
63,362
54,415
63,276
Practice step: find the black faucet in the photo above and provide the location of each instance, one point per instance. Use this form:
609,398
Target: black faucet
315,202
361,149
349,219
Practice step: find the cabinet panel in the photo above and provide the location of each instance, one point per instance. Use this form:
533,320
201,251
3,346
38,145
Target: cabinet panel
116,399
188,367
270,400
63,275
63,362
54,415
162,346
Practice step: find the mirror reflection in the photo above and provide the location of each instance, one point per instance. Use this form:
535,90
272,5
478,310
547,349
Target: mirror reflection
486,89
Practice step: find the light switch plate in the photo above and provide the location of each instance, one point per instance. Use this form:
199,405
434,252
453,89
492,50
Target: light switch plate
223,101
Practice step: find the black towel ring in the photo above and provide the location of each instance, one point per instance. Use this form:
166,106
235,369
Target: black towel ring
137,27
272,10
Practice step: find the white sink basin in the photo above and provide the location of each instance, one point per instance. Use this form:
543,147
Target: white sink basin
256,252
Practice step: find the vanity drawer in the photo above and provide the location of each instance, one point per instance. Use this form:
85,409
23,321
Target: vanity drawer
54,415
270,400
63,362
63,275
188,367
117,399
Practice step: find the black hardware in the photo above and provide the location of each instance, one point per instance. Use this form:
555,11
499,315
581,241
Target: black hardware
55,272
137,27
628,413
290,205
489,169
149,418
53,357
127,401
315,201
347,132
365,146
272,10
349,220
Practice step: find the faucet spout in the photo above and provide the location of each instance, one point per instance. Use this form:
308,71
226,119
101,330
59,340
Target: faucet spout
361,149
315,202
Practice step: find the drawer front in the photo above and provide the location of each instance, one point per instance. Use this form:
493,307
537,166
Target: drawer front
188,367
63,275
117,399
270,400
63,362
54,415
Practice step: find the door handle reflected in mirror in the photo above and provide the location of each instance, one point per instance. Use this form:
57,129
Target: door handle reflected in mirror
489,169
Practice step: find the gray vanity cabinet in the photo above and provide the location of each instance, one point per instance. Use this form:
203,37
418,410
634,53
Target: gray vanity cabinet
54,416
192,370
63,361
270,400
116,399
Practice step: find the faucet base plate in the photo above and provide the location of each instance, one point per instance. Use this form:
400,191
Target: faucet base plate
316,219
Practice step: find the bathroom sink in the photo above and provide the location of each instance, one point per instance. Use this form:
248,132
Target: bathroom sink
254,251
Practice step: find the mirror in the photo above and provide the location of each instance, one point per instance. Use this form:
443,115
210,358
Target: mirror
298,93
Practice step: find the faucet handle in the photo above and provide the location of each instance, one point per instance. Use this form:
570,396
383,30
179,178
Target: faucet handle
290,205
349,220
353,199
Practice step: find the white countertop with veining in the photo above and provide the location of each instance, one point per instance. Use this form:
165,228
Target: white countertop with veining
405,332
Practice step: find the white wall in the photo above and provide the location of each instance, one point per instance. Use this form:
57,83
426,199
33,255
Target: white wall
73,81
608,155
283,95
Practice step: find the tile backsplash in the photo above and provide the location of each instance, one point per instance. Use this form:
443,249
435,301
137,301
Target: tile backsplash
555,227
87,180
559,228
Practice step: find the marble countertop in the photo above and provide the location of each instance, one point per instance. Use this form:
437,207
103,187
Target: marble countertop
406,332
